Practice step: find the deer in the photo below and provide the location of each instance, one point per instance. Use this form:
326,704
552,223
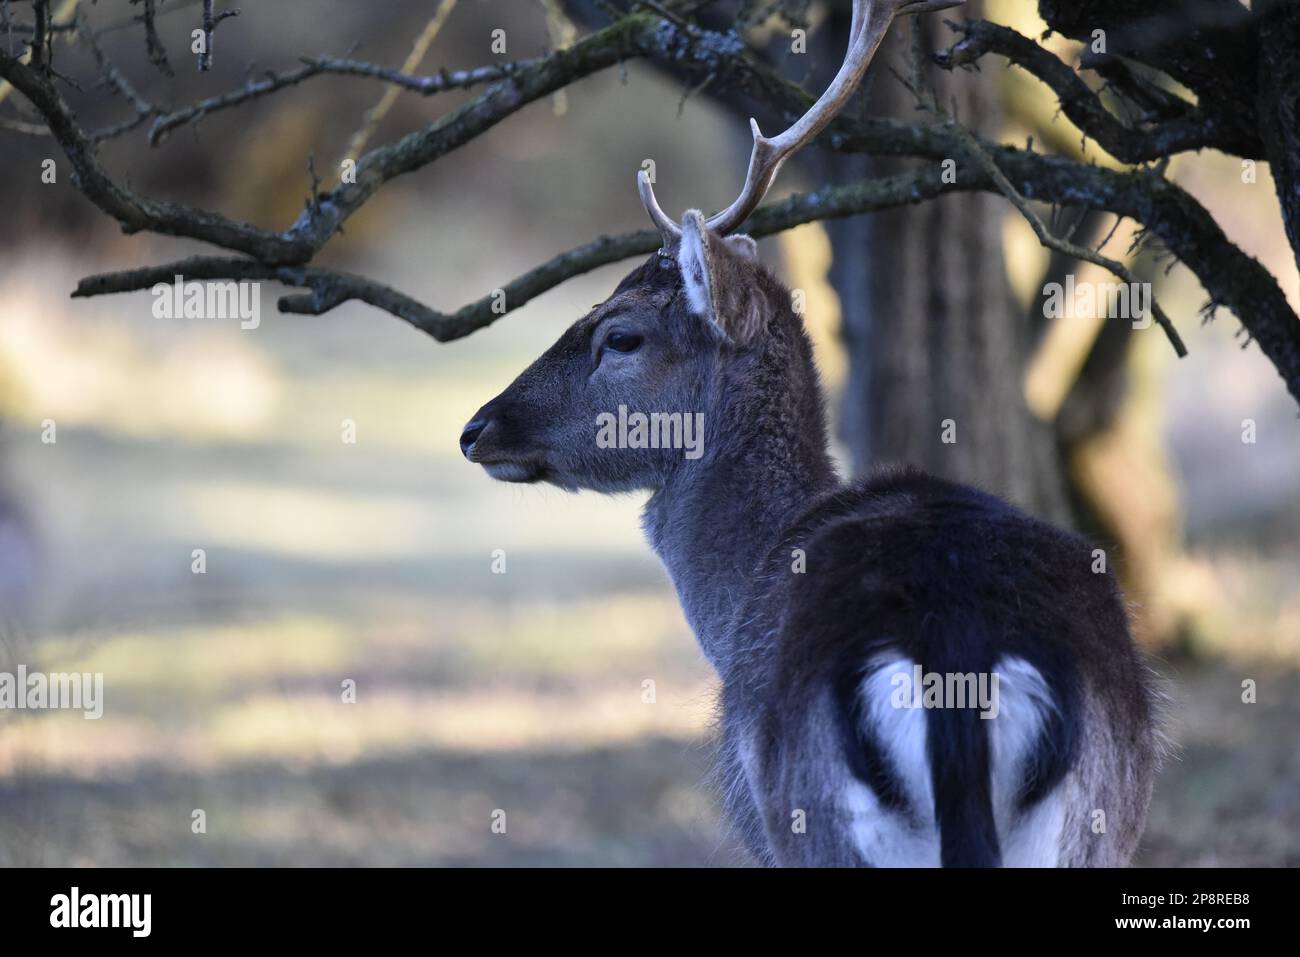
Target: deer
856,628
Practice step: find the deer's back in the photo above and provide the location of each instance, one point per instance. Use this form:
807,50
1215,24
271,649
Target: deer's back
909,574
887,558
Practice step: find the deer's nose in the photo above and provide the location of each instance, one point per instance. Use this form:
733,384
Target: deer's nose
471,434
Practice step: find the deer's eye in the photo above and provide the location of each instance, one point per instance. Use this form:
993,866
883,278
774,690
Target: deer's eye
623,342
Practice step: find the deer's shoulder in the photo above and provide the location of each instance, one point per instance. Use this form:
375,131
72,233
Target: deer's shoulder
901,548
923,529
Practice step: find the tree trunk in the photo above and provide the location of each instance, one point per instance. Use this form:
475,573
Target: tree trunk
937,344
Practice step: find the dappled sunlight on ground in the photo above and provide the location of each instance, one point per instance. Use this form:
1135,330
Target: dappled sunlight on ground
203,699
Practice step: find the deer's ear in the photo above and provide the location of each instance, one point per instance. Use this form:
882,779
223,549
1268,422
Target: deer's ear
743,246
695,259
719,280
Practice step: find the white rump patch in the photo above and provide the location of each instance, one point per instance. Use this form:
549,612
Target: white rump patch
1033,838
888,839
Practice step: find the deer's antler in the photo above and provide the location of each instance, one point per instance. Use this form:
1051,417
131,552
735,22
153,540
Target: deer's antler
871,20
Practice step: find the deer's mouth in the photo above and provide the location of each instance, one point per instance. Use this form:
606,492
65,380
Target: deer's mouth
511,470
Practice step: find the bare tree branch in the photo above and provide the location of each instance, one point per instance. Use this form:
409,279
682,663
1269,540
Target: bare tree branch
635,35
153,43
40,32
1190,130
1051,241
375,115
271,82
1231,278
252,90
1060,74
135,213
210,21
1209,46
427,85
115,78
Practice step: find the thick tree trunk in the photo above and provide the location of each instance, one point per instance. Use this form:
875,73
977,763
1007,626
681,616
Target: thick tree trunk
937,345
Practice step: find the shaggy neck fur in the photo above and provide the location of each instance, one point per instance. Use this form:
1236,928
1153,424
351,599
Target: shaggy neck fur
764,463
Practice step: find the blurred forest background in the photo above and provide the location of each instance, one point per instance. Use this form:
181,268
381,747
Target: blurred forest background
373,561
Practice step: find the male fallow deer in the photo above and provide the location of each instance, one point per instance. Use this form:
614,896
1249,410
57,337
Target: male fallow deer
850,626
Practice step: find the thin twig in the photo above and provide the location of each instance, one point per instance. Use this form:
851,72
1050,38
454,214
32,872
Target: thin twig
1051,241
112,74
272,82
930,103
438,82
210,21
152,42
250,91
1186,127
375,115
40,35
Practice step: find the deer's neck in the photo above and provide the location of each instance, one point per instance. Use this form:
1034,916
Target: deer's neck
712,525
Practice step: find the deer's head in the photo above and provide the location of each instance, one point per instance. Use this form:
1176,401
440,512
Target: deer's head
657,345
696,330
